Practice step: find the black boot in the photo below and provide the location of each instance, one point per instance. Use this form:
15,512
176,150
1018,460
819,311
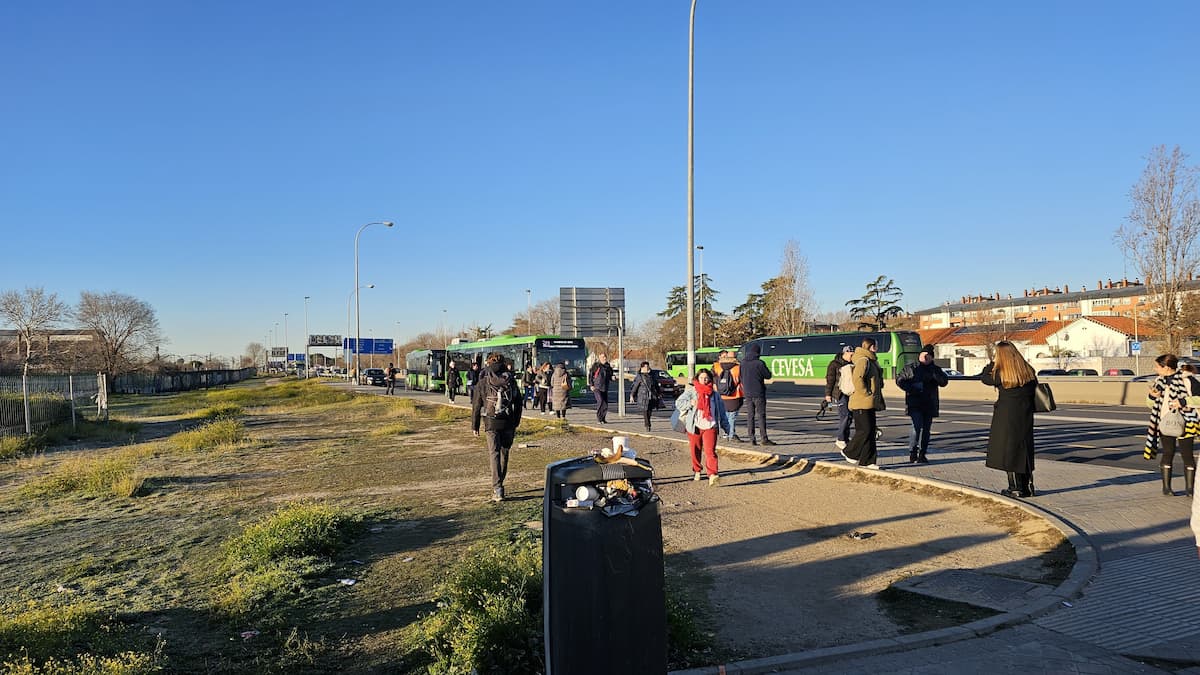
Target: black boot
1011,491
1166,479
1029,484
1024,484
1189,479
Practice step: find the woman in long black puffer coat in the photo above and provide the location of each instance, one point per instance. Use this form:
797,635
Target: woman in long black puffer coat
646,392
1010,441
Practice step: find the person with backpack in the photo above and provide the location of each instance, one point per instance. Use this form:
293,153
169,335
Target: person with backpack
602,374
729,386
389,379
646,392
497,404
839,384
920,380
754,375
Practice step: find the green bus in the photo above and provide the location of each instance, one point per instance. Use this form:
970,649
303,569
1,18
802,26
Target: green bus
522,350
797,357
426,370
705,357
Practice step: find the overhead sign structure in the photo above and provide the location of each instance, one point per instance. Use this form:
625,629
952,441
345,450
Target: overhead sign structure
279,352
295,358
324,340
370,346
591,312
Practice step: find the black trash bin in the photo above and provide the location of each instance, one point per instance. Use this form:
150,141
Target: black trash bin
602,570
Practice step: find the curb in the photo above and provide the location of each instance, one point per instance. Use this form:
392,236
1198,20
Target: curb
1086,566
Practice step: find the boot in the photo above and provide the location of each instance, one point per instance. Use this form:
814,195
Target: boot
1189,479
1032,492
1024,484
1166,480
1011,491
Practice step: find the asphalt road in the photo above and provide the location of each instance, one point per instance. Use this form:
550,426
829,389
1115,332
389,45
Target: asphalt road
1101,434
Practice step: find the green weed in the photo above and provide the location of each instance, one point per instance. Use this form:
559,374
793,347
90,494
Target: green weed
12,447
43,638
219,411
449,414
270,560
489,613
215,434
113,475
393,429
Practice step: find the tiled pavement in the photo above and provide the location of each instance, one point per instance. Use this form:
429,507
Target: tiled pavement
1134,599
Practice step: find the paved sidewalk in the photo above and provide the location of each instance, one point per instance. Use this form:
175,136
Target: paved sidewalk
1133,597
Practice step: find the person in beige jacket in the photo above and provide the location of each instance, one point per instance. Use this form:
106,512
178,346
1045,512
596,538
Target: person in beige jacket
866,399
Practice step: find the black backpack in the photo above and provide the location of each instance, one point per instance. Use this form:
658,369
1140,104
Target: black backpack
500,397
726,385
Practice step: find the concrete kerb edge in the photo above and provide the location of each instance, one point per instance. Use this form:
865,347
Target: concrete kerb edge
1086,566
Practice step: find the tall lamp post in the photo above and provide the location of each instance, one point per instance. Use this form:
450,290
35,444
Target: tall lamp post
307,339
346,356
287,350
357,310
691,199
701,272
528,312
1137,356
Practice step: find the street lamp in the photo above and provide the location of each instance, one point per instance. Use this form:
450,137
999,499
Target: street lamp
357,309
691,199
1137,356
307,339
346,356
528,312
287,351
701,270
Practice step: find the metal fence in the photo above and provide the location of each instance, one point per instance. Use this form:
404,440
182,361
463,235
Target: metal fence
160,383
29,404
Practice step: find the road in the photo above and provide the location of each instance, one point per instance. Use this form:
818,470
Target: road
1101,434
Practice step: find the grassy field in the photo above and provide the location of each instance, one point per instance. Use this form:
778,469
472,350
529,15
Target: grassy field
283,528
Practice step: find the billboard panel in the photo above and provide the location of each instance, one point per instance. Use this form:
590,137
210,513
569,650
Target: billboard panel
324,340
591,312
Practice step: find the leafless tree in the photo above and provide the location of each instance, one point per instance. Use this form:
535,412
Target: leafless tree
126,328
32,312
789,303
1160,234
545,318
255,354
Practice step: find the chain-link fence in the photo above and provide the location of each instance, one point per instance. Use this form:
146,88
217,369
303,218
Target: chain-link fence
29,404
159,383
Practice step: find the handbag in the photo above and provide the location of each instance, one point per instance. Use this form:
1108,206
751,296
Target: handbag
677,423
1170,423
1043,398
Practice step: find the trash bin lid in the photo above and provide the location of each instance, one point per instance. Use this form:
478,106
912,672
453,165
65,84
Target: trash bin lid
588,470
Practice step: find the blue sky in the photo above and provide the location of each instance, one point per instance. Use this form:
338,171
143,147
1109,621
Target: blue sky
216,159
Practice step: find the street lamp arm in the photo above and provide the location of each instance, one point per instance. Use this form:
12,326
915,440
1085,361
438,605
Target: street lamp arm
357,304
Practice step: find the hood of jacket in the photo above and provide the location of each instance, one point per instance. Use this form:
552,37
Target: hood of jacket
753,351
863,352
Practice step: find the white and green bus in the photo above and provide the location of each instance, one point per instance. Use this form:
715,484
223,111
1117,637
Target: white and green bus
797,357
522,350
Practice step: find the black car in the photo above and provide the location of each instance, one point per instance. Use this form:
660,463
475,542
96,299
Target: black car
373,376
1052,371
666,383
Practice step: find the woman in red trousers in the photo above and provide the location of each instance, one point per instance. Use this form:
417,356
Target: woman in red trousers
702,416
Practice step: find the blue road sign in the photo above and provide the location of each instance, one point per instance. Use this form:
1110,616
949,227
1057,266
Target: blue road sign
370,346
1135,347
296,358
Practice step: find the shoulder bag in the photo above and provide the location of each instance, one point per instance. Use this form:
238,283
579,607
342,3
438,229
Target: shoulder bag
1043,398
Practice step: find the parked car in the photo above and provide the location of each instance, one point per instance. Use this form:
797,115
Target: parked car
1144,378
666,383
1052,371
1118,372
1085,372
950,372
372,376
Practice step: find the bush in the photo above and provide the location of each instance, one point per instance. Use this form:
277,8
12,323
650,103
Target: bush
215,434
42,638
12,447
269,561
489,616
220,411
114,475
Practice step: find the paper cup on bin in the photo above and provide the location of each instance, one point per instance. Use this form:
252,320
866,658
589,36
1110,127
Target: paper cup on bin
586,493
620,443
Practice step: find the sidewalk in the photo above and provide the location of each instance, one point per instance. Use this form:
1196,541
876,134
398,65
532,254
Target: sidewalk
1133,596
1134,593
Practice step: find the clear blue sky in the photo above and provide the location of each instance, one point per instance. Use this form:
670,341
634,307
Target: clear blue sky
215,159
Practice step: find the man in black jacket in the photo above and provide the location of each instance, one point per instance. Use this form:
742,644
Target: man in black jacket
452,380
601,375
754,374
500,421
920,381
835,396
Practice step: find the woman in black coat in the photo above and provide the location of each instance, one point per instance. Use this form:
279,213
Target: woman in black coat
1010,441
646,392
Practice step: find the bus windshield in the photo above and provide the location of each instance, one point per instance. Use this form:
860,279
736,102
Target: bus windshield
575,357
